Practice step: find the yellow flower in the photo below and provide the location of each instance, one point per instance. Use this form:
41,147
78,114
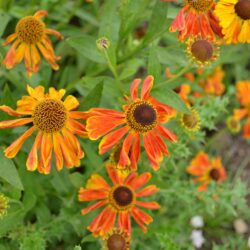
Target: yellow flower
30,38
56,125
191,122
234,16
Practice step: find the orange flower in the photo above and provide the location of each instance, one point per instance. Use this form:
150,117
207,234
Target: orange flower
31,35
183,92
243,95
206,170
121,200
213,84
141,116
196,18
56,125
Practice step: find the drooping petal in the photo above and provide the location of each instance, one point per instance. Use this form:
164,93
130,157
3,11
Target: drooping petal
32,160
112,173
9,110
76,127
141,218
14,148
166,133
10,39
135,152
57,151
41,13
57,34
124,222
45,154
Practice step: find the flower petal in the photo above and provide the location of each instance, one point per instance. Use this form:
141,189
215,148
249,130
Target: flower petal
90,195
146,87
134,89
15,123
124,222
147,191
150,205
71,102
94,207
97,182
141,180
141,218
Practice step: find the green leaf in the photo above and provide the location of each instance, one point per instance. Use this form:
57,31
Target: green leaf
4,20
86,46
154,66
158,22
93,98
77,248
8,171
88,238
170,98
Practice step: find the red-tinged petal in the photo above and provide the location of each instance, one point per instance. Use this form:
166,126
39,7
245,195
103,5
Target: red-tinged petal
150,205
107,223
206,30
98,126
124,157
94,224
94,207
28,62
141,180
179,21
146,87
70,102
79,115
112,173
130,178
14,148
10,39
111,139
9,60
124,222
9,110
57,34
199,164
141,218
134,89
32,161
135,152
41,13
76,127
97,182
58,152
19,53
46,153
147,191
161,143
35,58
90,195
240,113
106,113
15,123
166,133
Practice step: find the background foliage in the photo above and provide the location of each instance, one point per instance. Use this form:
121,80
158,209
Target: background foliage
44,212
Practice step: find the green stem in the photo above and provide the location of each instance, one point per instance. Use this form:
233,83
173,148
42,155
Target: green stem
180,73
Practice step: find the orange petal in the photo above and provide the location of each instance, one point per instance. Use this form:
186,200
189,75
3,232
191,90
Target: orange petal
147,191
97,182
107,223
57,34
79,115
57,151
26,105
134,89
37,93
9,60
76,127
32,161
124,222
94,207
90,195
45,154
15,123
240,113
179,21
35,59
166,133
41,13
202,188
70,102
14,148
124,154
57,94
28,62
160,143
146,87
246,129
112,173
111,139
20,51
141,218
9,110
10,39
135,152
98,126
150,205
95,223
141,180
106,113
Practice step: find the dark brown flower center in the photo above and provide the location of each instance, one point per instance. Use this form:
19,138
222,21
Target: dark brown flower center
242,9
50,116
202,50
141,116
123,196
200,6
116,242
214,174
30,30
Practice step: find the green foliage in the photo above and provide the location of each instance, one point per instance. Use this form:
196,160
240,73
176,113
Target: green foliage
44,211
